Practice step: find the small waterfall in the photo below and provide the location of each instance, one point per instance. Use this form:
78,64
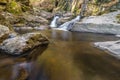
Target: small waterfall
54,22
68,25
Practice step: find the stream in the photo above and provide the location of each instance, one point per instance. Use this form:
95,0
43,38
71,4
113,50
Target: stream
69,56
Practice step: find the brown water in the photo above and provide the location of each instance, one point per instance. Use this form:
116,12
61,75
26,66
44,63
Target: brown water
69,56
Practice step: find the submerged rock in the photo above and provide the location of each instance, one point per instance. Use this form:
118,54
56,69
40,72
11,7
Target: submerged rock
106,23
23,43
112,46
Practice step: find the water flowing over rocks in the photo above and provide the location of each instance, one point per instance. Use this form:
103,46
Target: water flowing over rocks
54,22
112,46
65,18
67,25
23,43
106,23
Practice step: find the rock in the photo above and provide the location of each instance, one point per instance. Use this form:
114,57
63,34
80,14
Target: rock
65,18
68,14
106,23
23,28
23,43
35,19
112,46
4,32
45,14
26,28
42,27
12,35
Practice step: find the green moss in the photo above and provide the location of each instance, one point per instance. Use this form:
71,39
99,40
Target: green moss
14,7
33,39
25,8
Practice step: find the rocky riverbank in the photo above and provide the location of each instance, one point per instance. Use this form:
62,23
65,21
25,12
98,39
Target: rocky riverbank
16,44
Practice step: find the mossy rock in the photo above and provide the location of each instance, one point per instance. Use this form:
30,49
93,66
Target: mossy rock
14,7
118,18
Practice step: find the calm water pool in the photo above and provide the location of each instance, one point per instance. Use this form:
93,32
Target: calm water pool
69,56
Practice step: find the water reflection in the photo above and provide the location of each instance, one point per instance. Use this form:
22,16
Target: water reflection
69,57
19,67
21,71
72,57
64,35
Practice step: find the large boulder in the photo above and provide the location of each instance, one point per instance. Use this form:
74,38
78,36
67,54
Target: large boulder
23,43
106,23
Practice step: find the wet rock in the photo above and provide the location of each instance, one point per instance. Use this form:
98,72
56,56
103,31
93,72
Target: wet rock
68,14
4,32
23,28
22,43
65,18
68,25
106,23
42,27
12,35
39,27
112,46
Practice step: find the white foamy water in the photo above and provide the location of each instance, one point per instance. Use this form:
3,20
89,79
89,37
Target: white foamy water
54,22
65,25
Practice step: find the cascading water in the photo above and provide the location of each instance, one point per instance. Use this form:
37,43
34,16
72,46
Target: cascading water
54,22
66,26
